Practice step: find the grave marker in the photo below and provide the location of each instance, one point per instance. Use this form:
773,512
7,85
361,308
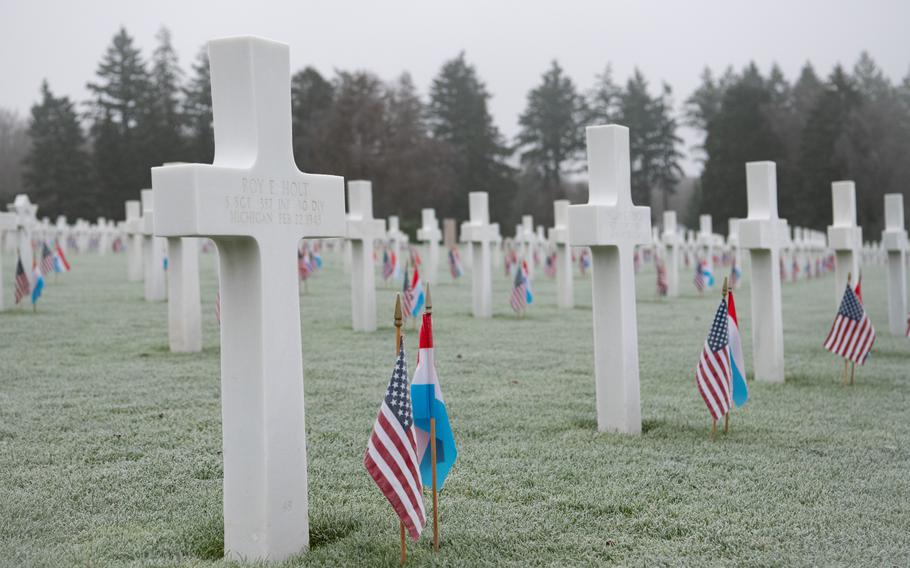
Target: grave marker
894,241
133,228
763,233
671,240
7,224
612,226
362,231
256,205
153,252
429,233
26,219
559,234
844,236
480,234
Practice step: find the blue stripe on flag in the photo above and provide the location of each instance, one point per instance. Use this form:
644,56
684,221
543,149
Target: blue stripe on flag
425,406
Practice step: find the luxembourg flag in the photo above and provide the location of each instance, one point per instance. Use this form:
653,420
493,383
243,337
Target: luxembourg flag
427,403
707,274
38,286
737,362
529,297
60,263
416,293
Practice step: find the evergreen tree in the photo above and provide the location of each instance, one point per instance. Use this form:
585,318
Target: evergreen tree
603,99
57,168
197,112
460,118
824,148
705,102
312,99
162,125
552,135
120,91
741,131
14,145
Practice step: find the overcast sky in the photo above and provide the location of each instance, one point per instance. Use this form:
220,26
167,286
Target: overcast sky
510,42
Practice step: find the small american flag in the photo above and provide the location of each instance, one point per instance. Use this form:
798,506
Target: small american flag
455,264
407,298
662,285
550,266
304,266
388,264
699,279
713,375
852,334
47,259
391,456
519,298
908,326
218,306
23,287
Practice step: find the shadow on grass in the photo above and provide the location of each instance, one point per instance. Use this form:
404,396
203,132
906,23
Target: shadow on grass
325,531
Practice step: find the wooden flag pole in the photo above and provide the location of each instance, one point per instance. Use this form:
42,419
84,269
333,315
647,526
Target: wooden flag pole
727,415
713,428
846,361
429,310
404,544
852,371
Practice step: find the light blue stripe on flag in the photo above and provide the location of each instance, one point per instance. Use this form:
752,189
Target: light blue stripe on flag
426,406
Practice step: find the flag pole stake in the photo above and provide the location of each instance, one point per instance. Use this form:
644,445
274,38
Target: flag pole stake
727,415
852,371
713,428
429,310
727,422
846,364
404,544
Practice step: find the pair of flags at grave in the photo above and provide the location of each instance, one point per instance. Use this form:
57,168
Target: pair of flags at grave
852,333
398,455
721,371
412,295
455,264
521,289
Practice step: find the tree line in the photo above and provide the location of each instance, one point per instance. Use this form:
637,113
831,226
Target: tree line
430,151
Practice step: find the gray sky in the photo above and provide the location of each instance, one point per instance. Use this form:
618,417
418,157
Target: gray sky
510,42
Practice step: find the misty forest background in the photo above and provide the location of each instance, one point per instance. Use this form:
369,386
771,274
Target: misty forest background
84,159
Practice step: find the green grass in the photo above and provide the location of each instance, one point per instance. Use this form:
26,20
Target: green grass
110,445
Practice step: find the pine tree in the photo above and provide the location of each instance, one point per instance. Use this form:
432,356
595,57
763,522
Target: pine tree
603,99
705,102
312,99
823,151
741,131
459,117
14,144
552,135
197,112
117,112
163,122
57,168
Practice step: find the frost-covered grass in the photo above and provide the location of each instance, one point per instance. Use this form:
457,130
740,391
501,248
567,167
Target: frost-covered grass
110,445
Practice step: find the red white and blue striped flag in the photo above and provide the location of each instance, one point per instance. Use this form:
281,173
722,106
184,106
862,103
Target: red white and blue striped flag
712,374
23,286
852,334
391,456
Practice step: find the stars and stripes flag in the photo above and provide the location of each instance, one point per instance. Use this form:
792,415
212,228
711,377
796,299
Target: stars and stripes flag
584,260
23,286
60,262
455,264
407,299
388,264
520,293
852,333
663,286
712,374
550,266
699,279
47,259
391,455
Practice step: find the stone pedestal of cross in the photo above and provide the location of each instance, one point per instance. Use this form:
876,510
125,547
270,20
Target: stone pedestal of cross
256,205
612,226
7,225
430,234
708,243
559,234
844,236
133,228
26,214
153,252
894,241
763,233
671,241
480,233
527,239
184,309
362,231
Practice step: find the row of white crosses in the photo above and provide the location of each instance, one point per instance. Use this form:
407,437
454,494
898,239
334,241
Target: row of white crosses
894,240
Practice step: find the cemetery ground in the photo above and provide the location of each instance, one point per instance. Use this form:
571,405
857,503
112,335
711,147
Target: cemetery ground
110,445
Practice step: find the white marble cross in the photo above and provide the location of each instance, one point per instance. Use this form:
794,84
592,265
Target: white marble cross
362,231
256,205
763,233
133,228
894,240
612,226
61,233
527,239
154,251
671,241
559,234
398,241
480,233
26,219
844,236
430,234
7,223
